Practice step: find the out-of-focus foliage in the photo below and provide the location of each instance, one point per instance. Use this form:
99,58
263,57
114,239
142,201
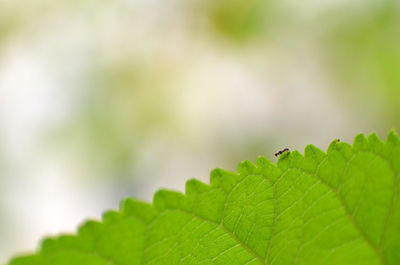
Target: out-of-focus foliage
239,20
364,55
124,105
9,21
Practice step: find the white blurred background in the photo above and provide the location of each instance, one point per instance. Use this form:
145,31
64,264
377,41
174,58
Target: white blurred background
105,100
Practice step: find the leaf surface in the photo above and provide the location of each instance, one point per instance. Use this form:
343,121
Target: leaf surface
339,207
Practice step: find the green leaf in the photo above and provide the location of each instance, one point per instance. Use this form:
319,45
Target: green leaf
342,207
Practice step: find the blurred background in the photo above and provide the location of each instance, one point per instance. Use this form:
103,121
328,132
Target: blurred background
101,100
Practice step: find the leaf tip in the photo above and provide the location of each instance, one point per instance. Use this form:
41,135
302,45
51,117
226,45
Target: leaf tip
374,140
283,160
246,167
373,136
167,199
110,216
142,210
217,175
360,143
263,162
195,186
393,137
311,151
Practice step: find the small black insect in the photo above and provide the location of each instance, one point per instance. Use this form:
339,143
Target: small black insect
281,152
